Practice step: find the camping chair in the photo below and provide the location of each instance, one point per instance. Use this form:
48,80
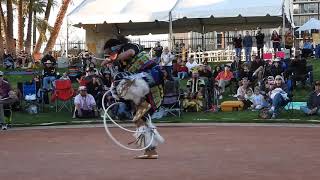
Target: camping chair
29,93
171,98
63,95
74,72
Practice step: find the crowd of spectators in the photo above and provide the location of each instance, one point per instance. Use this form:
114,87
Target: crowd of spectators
257,83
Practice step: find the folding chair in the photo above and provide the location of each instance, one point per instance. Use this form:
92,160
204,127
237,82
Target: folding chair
63,95
29,92
171,98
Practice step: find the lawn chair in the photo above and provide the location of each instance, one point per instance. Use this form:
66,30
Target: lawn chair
29,94
63,95
171,99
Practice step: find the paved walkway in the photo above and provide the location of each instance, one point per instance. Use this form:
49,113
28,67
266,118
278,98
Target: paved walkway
191,152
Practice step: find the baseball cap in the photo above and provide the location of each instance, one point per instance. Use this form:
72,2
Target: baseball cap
82,88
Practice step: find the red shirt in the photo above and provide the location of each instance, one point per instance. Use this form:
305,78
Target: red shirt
182,69
224,75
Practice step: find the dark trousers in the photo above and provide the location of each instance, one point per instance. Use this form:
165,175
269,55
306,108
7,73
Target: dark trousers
85,114
290,48
307,53
169,71
4,104
260,50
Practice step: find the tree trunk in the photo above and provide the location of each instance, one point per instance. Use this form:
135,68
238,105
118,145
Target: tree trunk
34,34
9,35
57,26
1,44
20,26
29,30
3,20
42,32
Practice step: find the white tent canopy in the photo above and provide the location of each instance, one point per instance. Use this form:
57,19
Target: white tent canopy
187,15
311,24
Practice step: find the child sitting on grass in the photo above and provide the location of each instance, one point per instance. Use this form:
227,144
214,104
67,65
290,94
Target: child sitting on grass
258,101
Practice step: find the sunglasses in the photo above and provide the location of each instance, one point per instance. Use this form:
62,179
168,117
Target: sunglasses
278,79
317,84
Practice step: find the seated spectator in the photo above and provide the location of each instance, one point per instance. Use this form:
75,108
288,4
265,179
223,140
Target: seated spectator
7,97
279,96
85,104
246,73
182,70
204,71
82,80
313,103
48,57
49,75
64,76
191,63
307,50
166,61
224,78
217,70
297,70
242,93
207,66
106,79
257,67
21,59
276,68
258,101
236,64
8,60
265,87
94,86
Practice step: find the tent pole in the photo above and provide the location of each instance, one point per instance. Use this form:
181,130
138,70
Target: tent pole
170,25
283,23
170,30
202,38
67,37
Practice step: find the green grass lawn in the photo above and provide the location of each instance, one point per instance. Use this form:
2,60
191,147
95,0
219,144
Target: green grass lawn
300,94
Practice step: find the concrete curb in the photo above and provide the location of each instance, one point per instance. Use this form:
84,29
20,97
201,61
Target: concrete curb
176,125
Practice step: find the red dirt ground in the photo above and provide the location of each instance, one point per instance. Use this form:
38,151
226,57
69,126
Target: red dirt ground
189,153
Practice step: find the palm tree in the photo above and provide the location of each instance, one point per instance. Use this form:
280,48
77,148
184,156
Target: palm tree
43,27
38,7
57,26
9,35
28,40
3,20
1,43
20,25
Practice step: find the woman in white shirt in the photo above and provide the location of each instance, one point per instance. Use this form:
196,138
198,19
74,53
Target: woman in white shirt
166,61
191,63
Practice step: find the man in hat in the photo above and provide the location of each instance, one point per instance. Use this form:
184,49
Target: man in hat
49,75
85,104
276,68
48,57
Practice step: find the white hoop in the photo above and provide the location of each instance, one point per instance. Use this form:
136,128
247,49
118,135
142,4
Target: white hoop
128,130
